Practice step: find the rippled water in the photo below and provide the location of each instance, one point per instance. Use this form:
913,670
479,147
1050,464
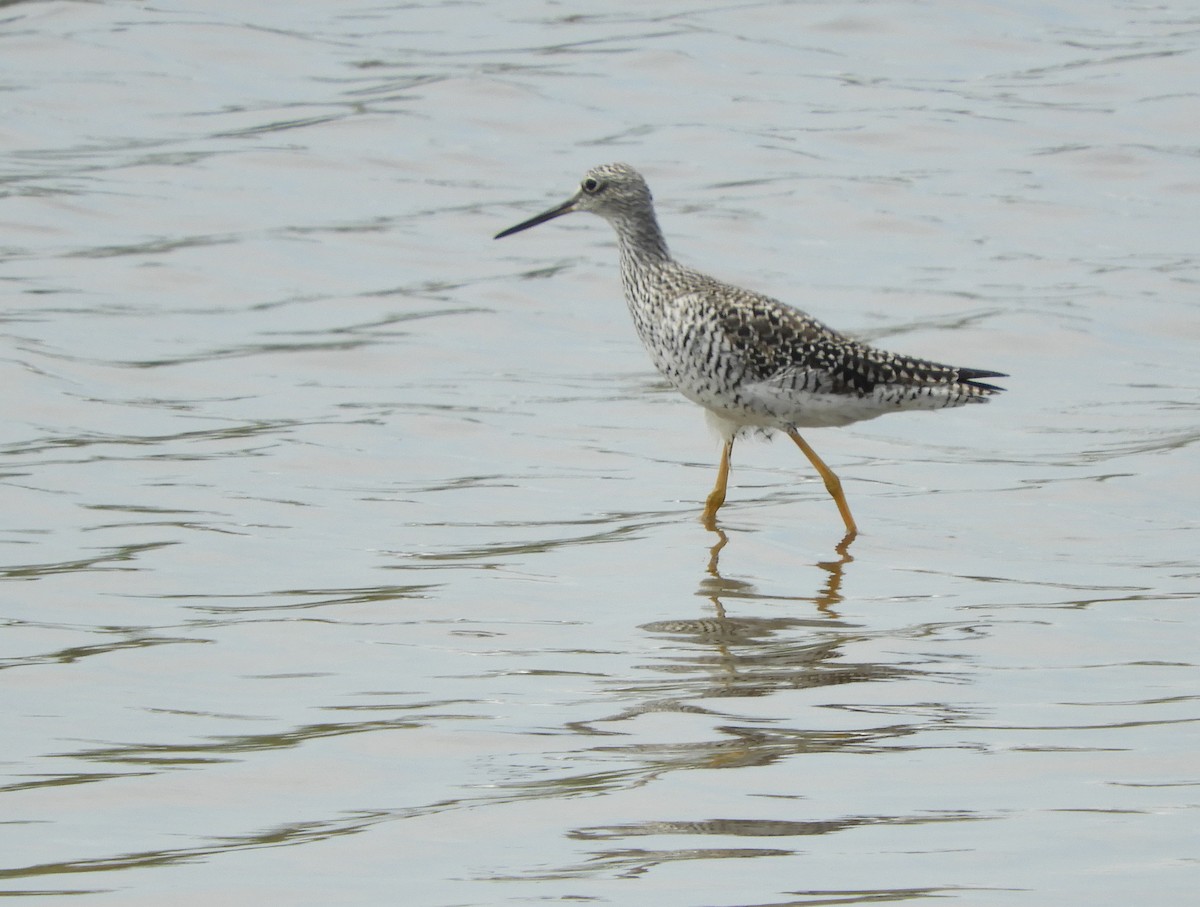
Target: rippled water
351,557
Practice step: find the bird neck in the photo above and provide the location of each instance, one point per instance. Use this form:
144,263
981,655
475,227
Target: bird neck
641,245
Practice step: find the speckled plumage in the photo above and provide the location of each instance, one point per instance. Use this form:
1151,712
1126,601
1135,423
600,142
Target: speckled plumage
750,360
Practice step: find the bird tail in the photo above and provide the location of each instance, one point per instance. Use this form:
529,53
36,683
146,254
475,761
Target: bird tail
970,377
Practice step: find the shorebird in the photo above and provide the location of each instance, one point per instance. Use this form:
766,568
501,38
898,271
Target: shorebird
751,361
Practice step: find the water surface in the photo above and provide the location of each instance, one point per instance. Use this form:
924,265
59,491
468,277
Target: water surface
352,557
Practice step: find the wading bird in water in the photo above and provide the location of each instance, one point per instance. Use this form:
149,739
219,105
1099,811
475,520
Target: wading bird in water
751,361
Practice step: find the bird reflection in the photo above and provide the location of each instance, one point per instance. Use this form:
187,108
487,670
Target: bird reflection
753,656
825,599
753,644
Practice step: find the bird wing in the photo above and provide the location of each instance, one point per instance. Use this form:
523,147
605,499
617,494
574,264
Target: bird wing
782,346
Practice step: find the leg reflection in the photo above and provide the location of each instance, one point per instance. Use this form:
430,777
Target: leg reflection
826,598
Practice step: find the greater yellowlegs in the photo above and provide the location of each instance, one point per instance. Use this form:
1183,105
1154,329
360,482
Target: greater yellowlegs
749,360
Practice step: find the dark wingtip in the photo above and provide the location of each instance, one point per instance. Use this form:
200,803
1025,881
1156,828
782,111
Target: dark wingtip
971,376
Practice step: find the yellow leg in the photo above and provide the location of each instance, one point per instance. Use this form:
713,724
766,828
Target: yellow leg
832,483
716,497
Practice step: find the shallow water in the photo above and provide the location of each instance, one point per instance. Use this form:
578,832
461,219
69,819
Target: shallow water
352,557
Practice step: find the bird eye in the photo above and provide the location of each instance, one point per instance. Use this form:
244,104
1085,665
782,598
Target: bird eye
591,185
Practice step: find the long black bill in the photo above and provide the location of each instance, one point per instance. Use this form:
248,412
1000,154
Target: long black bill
558,211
